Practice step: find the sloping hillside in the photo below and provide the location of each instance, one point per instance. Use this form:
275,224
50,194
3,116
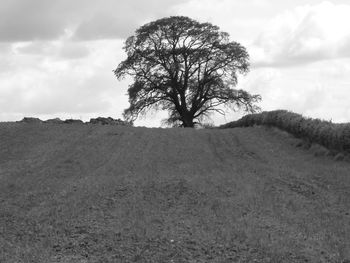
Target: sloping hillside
92,193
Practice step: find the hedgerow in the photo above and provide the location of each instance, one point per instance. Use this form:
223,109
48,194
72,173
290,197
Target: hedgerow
331,135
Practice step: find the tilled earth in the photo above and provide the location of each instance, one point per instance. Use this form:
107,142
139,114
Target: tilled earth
93,193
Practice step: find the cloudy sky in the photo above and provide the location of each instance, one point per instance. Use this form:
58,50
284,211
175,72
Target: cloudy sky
57,57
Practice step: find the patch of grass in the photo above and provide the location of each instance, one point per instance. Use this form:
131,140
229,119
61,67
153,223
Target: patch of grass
330,135
105,194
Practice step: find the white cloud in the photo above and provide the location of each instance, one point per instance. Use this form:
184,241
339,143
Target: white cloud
53,49
241,19
40,85
318,90
305,34
105,26
309,47
71,50
32,20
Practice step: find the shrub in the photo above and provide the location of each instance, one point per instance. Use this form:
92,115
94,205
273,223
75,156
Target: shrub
328,134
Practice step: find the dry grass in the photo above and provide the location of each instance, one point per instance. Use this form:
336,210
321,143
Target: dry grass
334,136
85,193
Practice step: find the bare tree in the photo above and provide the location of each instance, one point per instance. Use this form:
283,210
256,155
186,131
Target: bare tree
185,67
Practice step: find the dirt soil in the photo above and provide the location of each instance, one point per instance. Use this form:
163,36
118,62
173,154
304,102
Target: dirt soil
92,193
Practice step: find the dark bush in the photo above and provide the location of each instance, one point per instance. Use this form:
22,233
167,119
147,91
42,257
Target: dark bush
328,134
109,121
31,120
54,121
73,121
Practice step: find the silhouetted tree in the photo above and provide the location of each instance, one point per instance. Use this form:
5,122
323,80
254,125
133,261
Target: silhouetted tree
185,67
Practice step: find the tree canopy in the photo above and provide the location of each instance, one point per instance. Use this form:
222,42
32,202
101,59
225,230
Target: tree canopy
185,67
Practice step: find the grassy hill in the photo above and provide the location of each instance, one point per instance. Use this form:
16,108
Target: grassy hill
93,193
334,136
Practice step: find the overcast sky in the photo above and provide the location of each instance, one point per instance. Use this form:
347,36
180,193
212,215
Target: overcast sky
57,57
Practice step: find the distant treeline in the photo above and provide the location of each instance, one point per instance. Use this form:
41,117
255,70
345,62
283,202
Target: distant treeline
331,135
98,120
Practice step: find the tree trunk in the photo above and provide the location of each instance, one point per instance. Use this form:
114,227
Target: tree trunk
187,121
